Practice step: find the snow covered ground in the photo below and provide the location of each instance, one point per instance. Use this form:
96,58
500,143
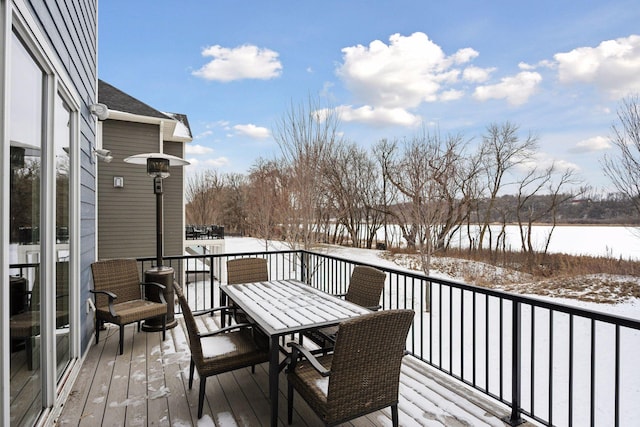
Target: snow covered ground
605,355
628,308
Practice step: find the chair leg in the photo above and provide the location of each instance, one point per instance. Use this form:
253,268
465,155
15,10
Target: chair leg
121,339
29,351
394,415
289,402
139,322
97,323
192,366
203,383
164,327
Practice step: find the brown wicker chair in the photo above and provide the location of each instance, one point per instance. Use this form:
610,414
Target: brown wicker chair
120,297
362,375
245,270
26,325
219,351
365,288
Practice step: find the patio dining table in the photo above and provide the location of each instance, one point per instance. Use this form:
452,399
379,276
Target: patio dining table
282,307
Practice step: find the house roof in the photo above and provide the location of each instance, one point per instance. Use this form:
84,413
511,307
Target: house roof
119,102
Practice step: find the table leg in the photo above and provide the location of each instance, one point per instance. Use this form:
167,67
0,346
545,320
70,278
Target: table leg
223,315
274,370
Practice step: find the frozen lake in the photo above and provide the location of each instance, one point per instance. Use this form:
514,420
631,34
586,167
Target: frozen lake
610,241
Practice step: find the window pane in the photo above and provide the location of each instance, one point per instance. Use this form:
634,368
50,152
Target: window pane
62,140
26,110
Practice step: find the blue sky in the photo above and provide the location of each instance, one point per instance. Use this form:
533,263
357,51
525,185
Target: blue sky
557,69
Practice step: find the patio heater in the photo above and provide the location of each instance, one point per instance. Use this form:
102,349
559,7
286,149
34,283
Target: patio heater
158,168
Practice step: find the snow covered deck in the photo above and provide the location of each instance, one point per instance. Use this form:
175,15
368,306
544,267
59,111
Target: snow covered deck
148,385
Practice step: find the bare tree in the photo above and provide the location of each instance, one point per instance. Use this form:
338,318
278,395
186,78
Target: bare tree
266,191
203,191
623,167
353,192
306,135
431,176
532,209
501,150
233,202
384,151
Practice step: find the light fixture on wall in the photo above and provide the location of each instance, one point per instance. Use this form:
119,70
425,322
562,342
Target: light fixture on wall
101,111
103,154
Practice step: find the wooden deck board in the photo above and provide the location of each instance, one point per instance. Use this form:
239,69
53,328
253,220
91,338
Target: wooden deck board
148,385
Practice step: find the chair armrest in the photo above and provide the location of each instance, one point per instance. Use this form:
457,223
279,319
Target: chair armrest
212,310
111,296
160,287
226,329
297,349
374,308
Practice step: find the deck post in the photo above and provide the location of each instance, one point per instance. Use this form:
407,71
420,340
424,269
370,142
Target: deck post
516,353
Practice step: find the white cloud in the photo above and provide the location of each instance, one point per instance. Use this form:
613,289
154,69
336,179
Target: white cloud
403,74
541,161
476,74
204,134
197,149
242,62
451,95
378,116
217,162
545,63
597,143
252,131
613,66
515,89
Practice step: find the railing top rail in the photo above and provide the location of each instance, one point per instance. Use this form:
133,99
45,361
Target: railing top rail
518,299
528,300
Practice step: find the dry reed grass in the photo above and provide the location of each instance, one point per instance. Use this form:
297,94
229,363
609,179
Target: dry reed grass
585,278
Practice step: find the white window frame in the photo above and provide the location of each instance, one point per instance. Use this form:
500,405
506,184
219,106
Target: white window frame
15,15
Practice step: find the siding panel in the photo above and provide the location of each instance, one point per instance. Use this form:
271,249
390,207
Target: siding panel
127,216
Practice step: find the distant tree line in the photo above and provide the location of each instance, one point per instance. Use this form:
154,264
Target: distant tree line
594,209
323,188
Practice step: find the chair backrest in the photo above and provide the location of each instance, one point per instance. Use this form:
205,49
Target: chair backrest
190,322
365,286
247,270
119,276
365,369
62,288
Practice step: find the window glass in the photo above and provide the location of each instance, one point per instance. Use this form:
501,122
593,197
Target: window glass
62,141
26,132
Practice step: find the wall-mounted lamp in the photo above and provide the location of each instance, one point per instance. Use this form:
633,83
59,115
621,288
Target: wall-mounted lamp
101,111
103,154
118,182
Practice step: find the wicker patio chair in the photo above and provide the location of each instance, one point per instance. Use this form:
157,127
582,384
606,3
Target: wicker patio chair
120,296
214,352
26,325
245,270
365,288
362,375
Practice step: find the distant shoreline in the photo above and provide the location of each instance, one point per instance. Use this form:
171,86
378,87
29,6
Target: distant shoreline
564,224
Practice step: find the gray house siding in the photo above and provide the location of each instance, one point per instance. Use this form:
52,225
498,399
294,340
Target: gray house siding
174,204
127,216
